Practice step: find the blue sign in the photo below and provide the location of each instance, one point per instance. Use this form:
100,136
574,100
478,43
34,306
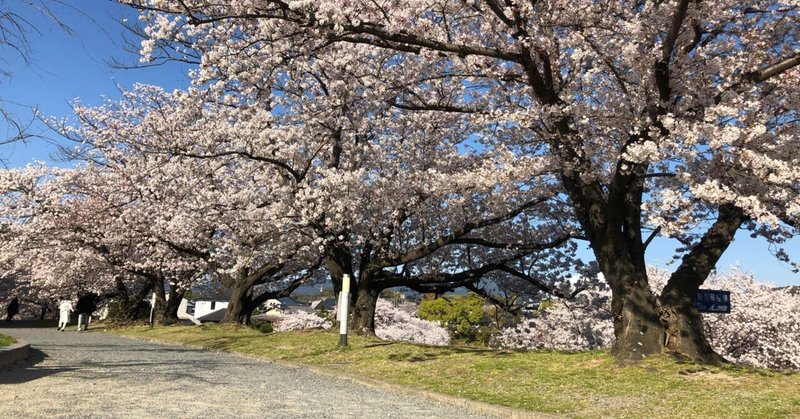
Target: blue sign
713,301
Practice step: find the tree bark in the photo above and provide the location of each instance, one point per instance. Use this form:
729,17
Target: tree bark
684,331
241,288
637,328
363,318
130,303
170,313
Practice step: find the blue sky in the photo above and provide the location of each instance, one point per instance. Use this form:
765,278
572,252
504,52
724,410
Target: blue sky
64,67
67,66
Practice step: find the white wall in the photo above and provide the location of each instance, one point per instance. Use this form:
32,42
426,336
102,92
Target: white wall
201,308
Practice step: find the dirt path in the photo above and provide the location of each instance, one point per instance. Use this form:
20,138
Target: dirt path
84,374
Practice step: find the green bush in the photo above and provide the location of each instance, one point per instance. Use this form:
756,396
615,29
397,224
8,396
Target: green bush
461,315
6,340
265,328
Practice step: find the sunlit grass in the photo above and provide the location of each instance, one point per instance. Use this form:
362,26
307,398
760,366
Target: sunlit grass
6,340
585,384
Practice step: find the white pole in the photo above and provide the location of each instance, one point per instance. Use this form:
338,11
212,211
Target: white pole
344,305
152,309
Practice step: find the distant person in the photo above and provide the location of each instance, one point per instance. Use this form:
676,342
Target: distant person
64,310
13,309
85,307
44,309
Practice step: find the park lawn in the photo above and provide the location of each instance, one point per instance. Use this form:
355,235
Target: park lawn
6,340
587,384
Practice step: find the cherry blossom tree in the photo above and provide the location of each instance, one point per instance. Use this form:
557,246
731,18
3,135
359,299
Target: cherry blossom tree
578,324
675,118
400,323
760,330
69,239
224,216
301,320
377,202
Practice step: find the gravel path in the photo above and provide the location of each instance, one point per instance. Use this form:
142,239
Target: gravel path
85,374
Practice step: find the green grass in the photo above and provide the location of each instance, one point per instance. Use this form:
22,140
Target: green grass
6,340
586,384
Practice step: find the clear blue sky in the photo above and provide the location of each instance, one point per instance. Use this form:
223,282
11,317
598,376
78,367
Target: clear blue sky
64,67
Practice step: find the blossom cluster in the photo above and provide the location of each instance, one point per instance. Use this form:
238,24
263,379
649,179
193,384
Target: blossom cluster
300,320
566,325
401,324
392,322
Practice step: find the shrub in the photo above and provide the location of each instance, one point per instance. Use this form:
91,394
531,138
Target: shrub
461,315
265,327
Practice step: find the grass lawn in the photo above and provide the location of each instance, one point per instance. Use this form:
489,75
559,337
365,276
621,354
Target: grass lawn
6,340
586,384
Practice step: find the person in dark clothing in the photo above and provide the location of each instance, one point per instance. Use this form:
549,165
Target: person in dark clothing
13,309
85,307
44,307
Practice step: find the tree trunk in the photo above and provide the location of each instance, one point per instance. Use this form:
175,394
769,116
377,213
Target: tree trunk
683,326
170,313
241,290
684,331
130,305
161,299
637,328
363,318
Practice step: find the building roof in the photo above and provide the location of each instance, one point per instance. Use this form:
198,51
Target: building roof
214,316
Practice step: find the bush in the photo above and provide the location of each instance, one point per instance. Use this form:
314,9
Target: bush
265,328
460,315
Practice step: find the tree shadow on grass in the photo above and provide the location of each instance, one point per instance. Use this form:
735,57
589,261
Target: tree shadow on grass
377,344
447,352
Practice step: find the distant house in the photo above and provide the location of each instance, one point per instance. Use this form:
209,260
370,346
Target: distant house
203,309
327,304
278,306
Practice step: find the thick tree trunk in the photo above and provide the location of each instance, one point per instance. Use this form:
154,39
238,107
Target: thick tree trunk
637,328
338,264
241,291
683,327
129,304
170,313
363,318
684,331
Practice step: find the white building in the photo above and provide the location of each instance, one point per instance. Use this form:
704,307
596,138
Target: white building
202,310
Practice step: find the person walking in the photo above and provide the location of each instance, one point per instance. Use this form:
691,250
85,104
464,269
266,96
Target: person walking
43,309
13,309
64,310
85,307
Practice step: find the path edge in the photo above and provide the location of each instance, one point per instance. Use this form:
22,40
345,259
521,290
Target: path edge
14,353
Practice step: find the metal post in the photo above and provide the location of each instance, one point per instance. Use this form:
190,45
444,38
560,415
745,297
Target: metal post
344,305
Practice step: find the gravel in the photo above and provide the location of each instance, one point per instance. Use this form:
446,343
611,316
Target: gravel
86,374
